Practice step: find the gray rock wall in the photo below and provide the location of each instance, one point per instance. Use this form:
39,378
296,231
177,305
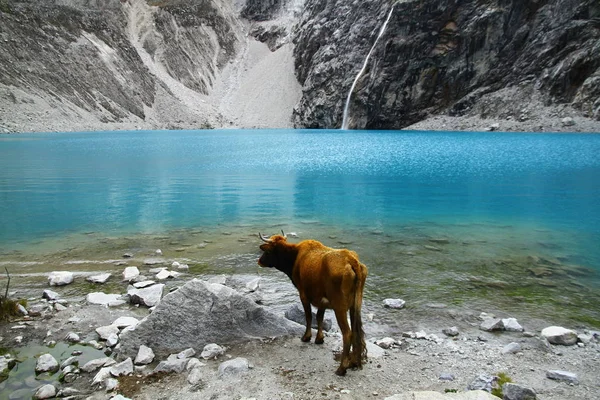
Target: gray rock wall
442,57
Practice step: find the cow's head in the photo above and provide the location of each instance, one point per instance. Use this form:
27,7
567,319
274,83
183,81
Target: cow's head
273,250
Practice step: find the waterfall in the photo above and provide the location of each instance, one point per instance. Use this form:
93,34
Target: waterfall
362,70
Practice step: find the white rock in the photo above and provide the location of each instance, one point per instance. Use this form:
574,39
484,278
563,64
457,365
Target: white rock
143,284
491,324
211,351
194,376
194,363
46,363
560,335
60,278
22,309
69,361
394,303
512,325
111,384
149,296
93,365
101,298
183,266
187,353
105,331
72,337
59,307
253,285
563,376
567,121
163,274
101,376
102,278
386,342
144,356
124,322
122,368
130,273
112,340
175,264
172,364
158,252
45,392
373,350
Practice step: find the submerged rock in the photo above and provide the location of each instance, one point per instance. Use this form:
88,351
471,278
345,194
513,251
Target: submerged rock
227,316
45,392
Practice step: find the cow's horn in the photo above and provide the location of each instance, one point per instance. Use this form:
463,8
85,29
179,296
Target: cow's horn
283,234
263,238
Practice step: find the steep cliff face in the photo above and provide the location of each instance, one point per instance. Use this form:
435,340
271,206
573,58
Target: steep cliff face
444,57
107,60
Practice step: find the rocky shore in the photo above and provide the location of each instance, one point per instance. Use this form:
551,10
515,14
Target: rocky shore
212,338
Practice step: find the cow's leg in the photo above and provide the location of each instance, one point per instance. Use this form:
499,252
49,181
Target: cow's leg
320,315
342,320
308,316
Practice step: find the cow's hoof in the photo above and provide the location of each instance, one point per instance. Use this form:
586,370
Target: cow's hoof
319,340
305,339
340,371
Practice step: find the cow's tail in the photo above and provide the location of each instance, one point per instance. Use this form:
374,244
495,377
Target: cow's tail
359,346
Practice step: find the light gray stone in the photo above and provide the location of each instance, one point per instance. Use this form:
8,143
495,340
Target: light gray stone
112,340
386,342
187,353
211,351
111,384
483,382
143,284
144,356
511,348
93,365
452,331
101,298
60,278
149,296
564,376
567,121
512,325
105,331
172,364
253,285
491,324
394,303
194,376
511,391
73,360
72,337
59,307
124,322
130,273
101,376
227,317
45,392
102,278
46,363
234,367
560,335
122,368
22,310
193,363
50,295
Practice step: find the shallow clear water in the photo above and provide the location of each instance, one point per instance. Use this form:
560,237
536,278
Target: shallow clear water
437,216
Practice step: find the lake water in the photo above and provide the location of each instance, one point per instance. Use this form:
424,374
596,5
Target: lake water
506,221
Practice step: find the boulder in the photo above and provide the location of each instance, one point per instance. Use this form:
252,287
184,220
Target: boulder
122,368
451,331
512,325
492,324
148,296
227,317
102,278
93,365
46,363
511,348
60,278
172,364
187,353
560,335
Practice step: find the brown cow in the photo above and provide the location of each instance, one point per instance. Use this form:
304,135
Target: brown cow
325,278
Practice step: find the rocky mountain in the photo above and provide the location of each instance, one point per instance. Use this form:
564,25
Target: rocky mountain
127,64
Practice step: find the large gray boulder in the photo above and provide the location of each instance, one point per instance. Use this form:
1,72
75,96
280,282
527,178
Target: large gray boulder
200,313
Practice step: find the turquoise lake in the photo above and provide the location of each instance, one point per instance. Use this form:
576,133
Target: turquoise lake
506,220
